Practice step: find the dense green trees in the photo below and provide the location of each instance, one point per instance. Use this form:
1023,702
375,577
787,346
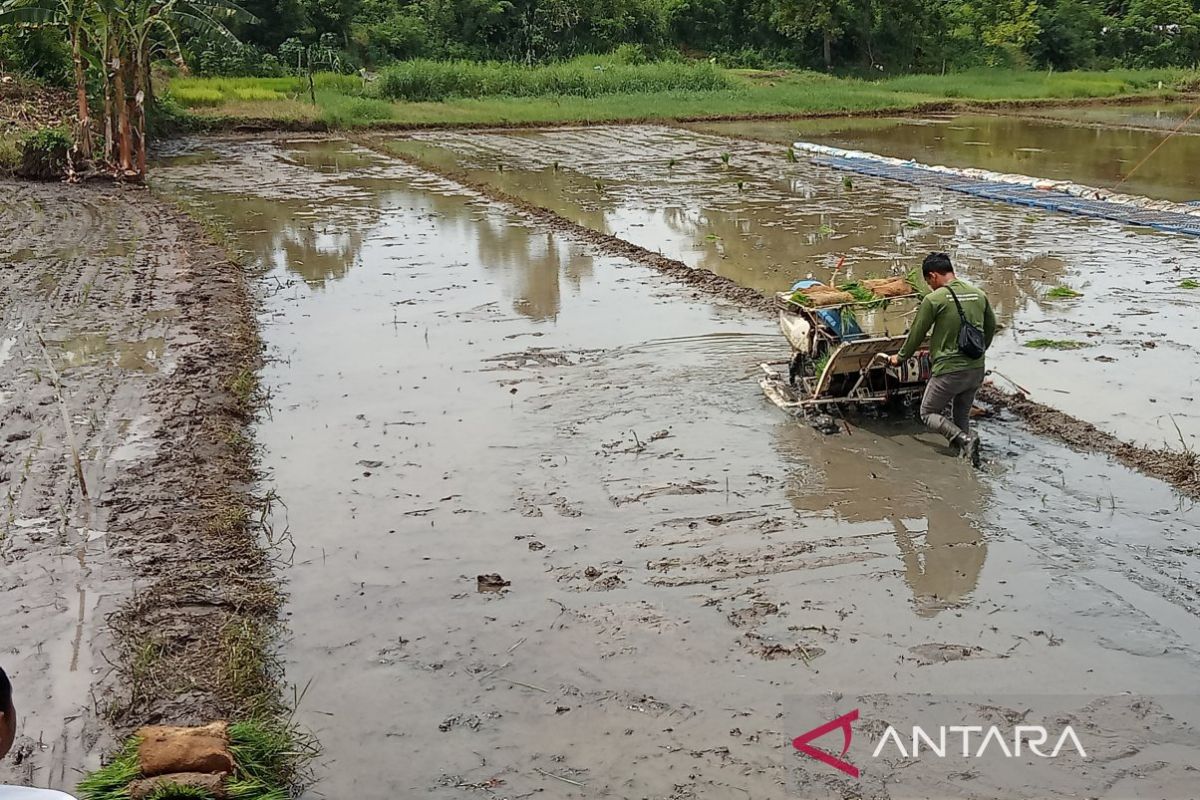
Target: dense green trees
855,36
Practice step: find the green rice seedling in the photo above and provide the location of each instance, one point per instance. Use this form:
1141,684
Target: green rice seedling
822,362
825,230
1055,344
791,155
847,182
1061,292
862,295
111,782
725,158
1188,283
912,223
741,185
271,757
671,163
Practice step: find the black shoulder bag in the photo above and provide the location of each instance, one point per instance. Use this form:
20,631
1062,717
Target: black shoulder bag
970,338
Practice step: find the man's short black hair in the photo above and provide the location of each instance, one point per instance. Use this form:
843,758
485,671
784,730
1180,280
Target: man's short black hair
5,692
936,262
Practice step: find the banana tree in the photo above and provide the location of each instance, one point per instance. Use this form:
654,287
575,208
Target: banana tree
76,17
145,24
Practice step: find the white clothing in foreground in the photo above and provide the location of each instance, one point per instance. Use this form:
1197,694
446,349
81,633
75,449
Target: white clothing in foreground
29,793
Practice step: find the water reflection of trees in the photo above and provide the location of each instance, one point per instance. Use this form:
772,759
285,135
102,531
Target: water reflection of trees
293,235
534,263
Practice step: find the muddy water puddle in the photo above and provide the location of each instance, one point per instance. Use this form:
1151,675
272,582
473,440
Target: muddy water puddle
744,211
688,573
1047,147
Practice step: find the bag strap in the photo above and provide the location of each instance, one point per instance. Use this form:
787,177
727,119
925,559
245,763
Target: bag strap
961,316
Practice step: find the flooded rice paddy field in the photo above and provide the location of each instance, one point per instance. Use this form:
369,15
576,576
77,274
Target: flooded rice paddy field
1044,146
743,210
685,579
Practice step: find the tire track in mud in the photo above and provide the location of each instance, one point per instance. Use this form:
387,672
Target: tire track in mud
1178,469
154,601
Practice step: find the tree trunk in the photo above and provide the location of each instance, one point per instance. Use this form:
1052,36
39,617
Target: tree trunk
827,48
147,77
141,75
83,138
124,135
110,125
134,129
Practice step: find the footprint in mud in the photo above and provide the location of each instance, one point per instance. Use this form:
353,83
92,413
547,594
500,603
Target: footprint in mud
753,614
939,653
531,506
596,579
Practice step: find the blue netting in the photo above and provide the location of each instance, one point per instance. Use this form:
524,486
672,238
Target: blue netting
1167,221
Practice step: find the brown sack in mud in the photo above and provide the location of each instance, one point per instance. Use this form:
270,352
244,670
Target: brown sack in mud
888,287
211,784
165,749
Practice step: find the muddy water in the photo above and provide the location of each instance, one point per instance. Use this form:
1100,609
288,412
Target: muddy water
765,222
690,576
1092,155
1164,117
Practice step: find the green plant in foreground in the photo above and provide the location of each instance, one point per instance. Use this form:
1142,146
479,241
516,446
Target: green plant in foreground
271,757
791,155
179,791
847,182
725,158
1055,344
1188,283
1059,292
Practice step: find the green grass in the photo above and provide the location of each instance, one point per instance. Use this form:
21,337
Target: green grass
1189,283
1062,292
422,80
1055,344
596,89
10,154
1014,85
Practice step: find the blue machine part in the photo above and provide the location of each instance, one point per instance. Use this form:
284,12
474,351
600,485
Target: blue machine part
833,317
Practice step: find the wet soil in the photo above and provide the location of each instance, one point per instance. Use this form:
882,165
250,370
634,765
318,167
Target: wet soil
744,211
121,599
685,579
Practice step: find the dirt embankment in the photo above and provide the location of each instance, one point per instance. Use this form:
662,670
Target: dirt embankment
1180,469
148,598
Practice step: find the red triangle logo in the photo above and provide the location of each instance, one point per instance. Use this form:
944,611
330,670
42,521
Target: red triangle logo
801,743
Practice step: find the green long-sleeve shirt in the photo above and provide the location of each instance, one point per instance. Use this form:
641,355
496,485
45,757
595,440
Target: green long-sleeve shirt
937,311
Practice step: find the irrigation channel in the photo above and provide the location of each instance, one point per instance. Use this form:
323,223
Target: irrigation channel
689,580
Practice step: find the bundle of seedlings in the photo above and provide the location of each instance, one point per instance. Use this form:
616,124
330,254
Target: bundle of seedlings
871,291
254,760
